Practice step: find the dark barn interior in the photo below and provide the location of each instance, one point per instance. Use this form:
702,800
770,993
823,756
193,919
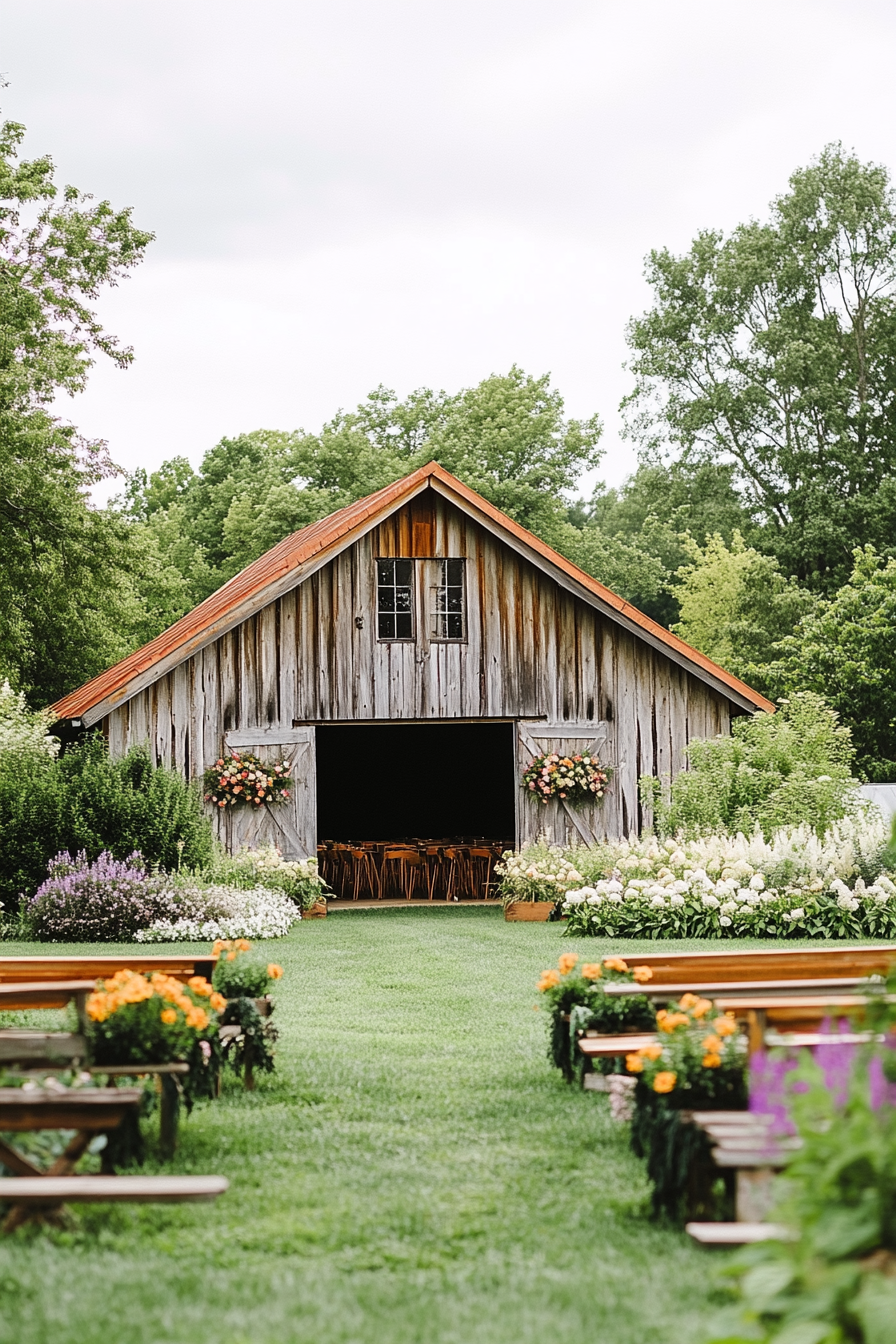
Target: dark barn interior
443,789
403,781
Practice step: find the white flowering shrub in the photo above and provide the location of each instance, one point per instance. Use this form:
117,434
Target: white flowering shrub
226,912
541,872
23,729
796,884
297,878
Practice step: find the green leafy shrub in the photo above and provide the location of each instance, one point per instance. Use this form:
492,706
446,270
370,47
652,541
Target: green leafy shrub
241,973
298,878
785,769
836,1282
87,801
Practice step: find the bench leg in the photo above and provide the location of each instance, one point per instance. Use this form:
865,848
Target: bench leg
169,1113
57,1215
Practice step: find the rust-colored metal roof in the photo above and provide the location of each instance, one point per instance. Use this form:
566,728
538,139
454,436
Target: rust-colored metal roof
218,611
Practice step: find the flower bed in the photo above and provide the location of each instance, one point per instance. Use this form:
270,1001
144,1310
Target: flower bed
231,912
541,873
795,885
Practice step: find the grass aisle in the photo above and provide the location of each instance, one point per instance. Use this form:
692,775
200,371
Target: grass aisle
414,1173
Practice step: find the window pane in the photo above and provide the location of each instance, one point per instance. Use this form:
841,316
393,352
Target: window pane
394,599
446,598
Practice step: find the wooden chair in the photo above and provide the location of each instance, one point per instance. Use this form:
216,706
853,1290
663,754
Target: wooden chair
436,869
482,862
365,876
403,870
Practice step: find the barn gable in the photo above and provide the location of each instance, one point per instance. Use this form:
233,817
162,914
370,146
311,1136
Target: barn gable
295,643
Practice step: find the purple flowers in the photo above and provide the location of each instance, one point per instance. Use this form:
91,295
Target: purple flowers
97,901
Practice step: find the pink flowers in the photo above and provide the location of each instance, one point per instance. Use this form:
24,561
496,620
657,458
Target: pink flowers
245,779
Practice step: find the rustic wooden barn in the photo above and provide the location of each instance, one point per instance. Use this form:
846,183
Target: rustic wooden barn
410,654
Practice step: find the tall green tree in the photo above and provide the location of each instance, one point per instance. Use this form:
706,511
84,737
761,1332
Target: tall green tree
69,581
845,649
508,437
774,350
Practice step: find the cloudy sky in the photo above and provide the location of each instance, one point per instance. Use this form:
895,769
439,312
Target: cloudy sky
351,193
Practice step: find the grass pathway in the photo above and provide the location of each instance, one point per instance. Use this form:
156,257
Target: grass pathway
414,1173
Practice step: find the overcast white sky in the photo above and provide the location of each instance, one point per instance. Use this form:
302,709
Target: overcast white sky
349,193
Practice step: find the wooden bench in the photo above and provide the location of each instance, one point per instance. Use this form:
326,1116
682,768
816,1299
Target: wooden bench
25,994
694,969
803,1013
42,969
747,1145
709,989
606,1046
43,1197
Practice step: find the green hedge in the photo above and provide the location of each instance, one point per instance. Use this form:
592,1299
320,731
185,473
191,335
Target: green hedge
87,801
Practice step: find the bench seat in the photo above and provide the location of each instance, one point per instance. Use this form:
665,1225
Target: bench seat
738,1234
101,968
50,1191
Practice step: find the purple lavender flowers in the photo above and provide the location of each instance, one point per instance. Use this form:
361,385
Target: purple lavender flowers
96,901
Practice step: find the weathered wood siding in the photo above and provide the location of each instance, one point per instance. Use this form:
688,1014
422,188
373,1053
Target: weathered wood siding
533,651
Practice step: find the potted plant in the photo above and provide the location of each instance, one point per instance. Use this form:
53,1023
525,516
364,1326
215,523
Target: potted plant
574,996
244,979
533,888
699,1062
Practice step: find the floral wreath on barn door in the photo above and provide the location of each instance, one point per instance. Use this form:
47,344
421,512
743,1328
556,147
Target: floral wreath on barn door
578,779
242,780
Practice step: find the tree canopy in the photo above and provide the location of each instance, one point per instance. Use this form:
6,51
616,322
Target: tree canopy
774,350
72,590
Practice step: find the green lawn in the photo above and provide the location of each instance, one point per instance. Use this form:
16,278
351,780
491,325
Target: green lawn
414,1172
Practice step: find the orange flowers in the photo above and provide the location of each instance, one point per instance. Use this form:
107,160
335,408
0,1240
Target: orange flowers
712,1044
127,987
665,1081
725,1026
230,945
548,980
218,1002
567,961
696,1006
616,964
712,1060
168,1016
275,972
634,1063
651,1051
642,974
667,1021
592,971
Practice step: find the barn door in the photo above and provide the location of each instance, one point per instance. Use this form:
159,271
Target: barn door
561,823
292,824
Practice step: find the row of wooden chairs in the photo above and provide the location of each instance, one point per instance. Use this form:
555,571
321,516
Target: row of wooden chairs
446,871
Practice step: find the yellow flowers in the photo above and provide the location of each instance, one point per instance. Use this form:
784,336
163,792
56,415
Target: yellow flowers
127,987
592,971
567,961
548,980
275,972
665,1081
616,964
642,974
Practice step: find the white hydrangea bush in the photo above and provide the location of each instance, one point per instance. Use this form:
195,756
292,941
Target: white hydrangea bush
225,912
794,885
541,872
23,729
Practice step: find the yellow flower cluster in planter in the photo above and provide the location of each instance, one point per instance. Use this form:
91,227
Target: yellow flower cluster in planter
155,1019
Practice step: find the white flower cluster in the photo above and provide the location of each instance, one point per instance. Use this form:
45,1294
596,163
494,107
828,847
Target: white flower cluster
729,881
230,913
540,873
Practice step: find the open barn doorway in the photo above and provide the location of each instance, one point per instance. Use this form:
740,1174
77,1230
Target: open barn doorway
414,810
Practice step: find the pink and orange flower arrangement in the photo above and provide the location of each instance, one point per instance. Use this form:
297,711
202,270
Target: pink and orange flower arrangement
241,779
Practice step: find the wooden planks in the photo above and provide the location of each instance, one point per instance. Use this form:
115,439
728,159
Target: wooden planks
533,650
49,1191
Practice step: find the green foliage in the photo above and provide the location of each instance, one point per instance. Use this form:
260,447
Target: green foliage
835,1282
296,878
88,801
845,649
574,998
71,582
735,605
507,438
774,770
24,731
241,973
773,350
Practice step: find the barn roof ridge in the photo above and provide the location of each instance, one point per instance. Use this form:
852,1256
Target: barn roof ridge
238,598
